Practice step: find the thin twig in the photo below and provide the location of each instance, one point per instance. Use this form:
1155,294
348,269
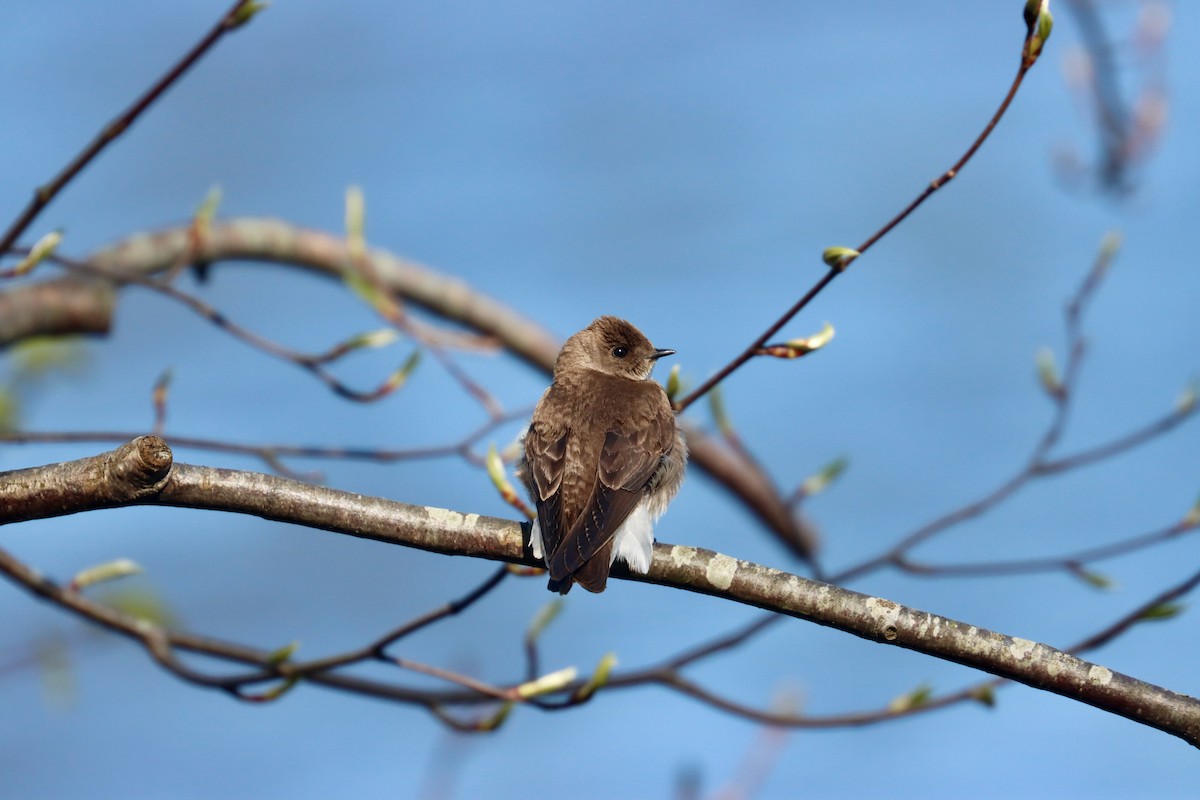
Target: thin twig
755,347
376,649
231,20
1039,463
1071,562
271,454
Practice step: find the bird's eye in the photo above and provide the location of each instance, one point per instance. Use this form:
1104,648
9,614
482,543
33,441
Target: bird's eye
620,352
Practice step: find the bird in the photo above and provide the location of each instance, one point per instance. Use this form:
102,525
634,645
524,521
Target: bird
602,457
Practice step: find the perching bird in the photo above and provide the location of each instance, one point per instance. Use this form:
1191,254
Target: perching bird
603,457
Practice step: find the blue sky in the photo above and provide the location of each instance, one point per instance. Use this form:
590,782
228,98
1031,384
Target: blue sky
681,165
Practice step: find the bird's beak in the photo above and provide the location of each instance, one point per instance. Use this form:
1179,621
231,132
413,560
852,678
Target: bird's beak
660,353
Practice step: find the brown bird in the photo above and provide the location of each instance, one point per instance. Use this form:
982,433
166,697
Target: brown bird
602,458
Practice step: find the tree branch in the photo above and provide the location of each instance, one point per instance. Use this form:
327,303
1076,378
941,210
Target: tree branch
232,19
134,475
59,307
839,265
275,241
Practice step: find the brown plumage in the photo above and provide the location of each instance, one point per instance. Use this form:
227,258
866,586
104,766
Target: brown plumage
602,457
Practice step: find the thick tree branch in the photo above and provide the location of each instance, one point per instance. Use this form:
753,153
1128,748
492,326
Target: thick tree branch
59,307
133,475
275,241
117,478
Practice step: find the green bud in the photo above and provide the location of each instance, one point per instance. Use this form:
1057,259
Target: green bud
41,250
1192,518
839,257
985,694
495,720
40,354
910,700
102,573
547,684
400,376
828,474
495,468
375,339
674,384
716,406
1110,245
599,677
244,14
1038,22
1162,611
356,213
207,210
1186,402
542,619
1096,580
1045,23
277,691
1048,372
818,340
141,604
10,410
363,288
283,654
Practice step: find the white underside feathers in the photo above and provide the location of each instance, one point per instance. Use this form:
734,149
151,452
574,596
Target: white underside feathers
535,540
634,540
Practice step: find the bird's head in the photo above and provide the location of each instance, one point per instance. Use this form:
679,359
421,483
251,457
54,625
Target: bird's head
612,346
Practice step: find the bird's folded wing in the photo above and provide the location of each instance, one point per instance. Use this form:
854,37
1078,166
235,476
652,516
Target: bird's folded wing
546,458
628,459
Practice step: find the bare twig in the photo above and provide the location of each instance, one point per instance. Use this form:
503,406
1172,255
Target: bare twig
376,650
1126,130
272,454
1039,463
314,363
1070,562
234,18
839,265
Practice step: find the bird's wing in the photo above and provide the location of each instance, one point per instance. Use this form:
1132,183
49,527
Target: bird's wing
628,459
546,459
